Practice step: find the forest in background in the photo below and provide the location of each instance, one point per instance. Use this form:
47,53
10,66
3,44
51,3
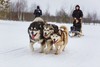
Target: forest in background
19,11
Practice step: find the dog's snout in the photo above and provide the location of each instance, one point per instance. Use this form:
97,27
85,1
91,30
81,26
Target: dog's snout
32,32
45,33
54,39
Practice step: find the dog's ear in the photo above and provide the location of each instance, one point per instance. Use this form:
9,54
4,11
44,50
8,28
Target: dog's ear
43,25
51,28
50,25
45,22
40,26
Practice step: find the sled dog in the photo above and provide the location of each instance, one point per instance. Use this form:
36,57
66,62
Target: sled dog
48,30
60,39
35,31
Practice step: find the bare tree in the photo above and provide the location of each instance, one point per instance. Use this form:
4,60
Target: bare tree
62,16
89,18
70,14
47,14
32,7
94,17
20,7
12,7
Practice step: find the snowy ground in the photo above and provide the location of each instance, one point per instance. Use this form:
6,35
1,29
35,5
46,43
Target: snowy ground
15,51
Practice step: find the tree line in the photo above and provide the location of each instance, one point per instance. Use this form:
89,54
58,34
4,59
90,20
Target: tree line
19,11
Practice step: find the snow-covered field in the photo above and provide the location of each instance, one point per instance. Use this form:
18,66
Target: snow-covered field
15,51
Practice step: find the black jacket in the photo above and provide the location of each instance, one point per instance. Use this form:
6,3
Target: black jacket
77,14
38,12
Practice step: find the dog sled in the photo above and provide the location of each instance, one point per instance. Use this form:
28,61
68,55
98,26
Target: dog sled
74,33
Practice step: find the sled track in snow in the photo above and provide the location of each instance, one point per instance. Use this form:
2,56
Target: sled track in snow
13,50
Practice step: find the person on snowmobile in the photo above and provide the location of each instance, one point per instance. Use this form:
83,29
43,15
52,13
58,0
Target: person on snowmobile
77,17
37,12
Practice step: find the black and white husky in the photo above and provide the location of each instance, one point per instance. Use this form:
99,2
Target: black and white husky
35,31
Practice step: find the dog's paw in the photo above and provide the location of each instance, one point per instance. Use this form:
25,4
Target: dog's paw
46,52
63,50
56,53
32,49
41,52
51,49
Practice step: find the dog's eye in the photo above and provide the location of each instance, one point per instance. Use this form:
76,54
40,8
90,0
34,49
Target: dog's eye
31,28
40,26
51,29
34,28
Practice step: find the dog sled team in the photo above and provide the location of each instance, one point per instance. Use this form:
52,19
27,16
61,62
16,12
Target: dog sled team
48,35
51,36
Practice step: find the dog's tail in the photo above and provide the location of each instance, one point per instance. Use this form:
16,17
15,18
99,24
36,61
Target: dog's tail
63,28
65,34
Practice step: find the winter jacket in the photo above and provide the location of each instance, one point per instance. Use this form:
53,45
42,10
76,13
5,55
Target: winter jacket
37,12
77,14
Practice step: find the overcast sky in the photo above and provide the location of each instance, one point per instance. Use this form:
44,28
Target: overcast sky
55,5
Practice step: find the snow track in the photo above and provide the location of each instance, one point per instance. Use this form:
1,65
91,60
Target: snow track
13,50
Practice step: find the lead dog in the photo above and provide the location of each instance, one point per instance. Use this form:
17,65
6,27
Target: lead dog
60,39
35,31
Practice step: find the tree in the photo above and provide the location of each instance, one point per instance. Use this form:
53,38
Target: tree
94,17
47,14
4,8
33,7
2,2
62,16
20,7
89,18
70,14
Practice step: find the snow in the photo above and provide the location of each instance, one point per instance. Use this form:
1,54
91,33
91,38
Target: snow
79,52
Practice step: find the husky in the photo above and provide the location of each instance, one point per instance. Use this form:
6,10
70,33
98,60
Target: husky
35,31
48,30
60,39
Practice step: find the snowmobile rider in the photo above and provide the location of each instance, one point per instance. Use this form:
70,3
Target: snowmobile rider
37,12
77,16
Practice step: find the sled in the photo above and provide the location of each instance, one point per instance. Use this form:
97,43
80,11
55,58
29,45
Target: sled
75,34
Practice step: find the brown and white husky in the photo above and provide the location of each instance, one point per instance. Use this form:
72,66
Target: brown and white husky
60,39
